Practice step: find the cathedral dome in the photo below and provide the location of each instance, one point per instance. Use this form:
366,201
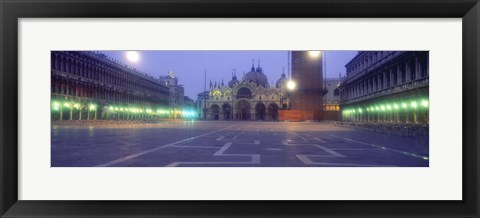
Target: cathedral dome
282,81
233,82
256,76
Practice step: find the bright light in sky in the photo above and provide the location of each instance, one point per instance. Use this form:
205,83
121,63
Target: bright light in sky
133,56
314,54
291,85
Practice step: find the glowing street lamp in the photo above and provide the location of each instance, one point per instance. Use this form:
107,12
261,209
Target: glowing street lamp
132,56
291,85
414,104
314,54
56,106
425,103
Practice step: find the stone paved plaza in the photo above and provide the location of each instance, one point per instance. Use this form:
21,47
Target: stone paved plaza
232,144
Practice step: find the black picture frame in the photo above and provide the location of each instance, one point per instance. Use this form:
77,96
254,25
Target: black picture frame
11,11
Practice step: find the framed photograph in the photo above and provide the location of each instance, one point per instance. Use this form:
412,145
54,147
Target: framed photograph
227,108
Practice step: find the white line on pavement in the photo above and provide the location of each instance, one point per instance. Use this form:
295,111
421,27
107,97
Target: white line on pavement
129,157
255,158
320,140
356,149
223,149
384,148
191,146
331,152
307,161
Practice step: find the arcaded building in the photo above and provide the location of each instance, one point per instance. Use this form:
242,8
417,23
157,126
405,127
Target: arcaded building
89,85
250,98
386,87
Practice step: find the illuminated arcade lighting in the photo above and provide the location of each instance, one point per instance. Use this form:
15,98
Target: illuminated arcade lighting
404,105
92,107
425,103
395,106
314,54
414,104
56,106
389,107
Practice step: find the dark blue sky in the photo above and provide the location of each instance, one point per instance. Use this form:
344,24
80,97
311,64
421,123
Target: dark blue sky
189,66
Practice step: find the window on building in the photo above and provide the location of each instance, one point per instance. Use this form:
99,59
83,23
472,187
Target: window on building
423,66
395,77
413,70
403,73
387,78
244,93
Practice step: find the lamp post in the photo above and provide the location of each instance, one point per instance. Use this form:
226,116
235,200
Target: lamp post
291,86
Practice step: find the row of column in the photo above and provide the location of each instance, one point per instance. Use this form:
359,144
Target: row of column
395,76
100,73
69,89
412,117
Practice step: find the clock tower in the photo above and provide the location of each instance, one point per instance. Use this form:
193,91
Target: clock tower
307,74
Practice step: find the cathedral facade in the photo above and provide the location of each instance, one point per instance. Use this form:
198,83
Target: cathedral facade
251,98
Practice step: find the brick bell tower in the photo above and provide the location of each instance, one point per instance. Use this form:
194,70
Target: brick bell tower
307,74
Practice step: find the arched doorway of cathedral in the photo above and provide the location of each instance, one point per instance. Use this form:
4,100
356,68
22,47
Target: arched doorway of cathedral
273,111
215,112
260,111
227,111
242,110
244,92
284,106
